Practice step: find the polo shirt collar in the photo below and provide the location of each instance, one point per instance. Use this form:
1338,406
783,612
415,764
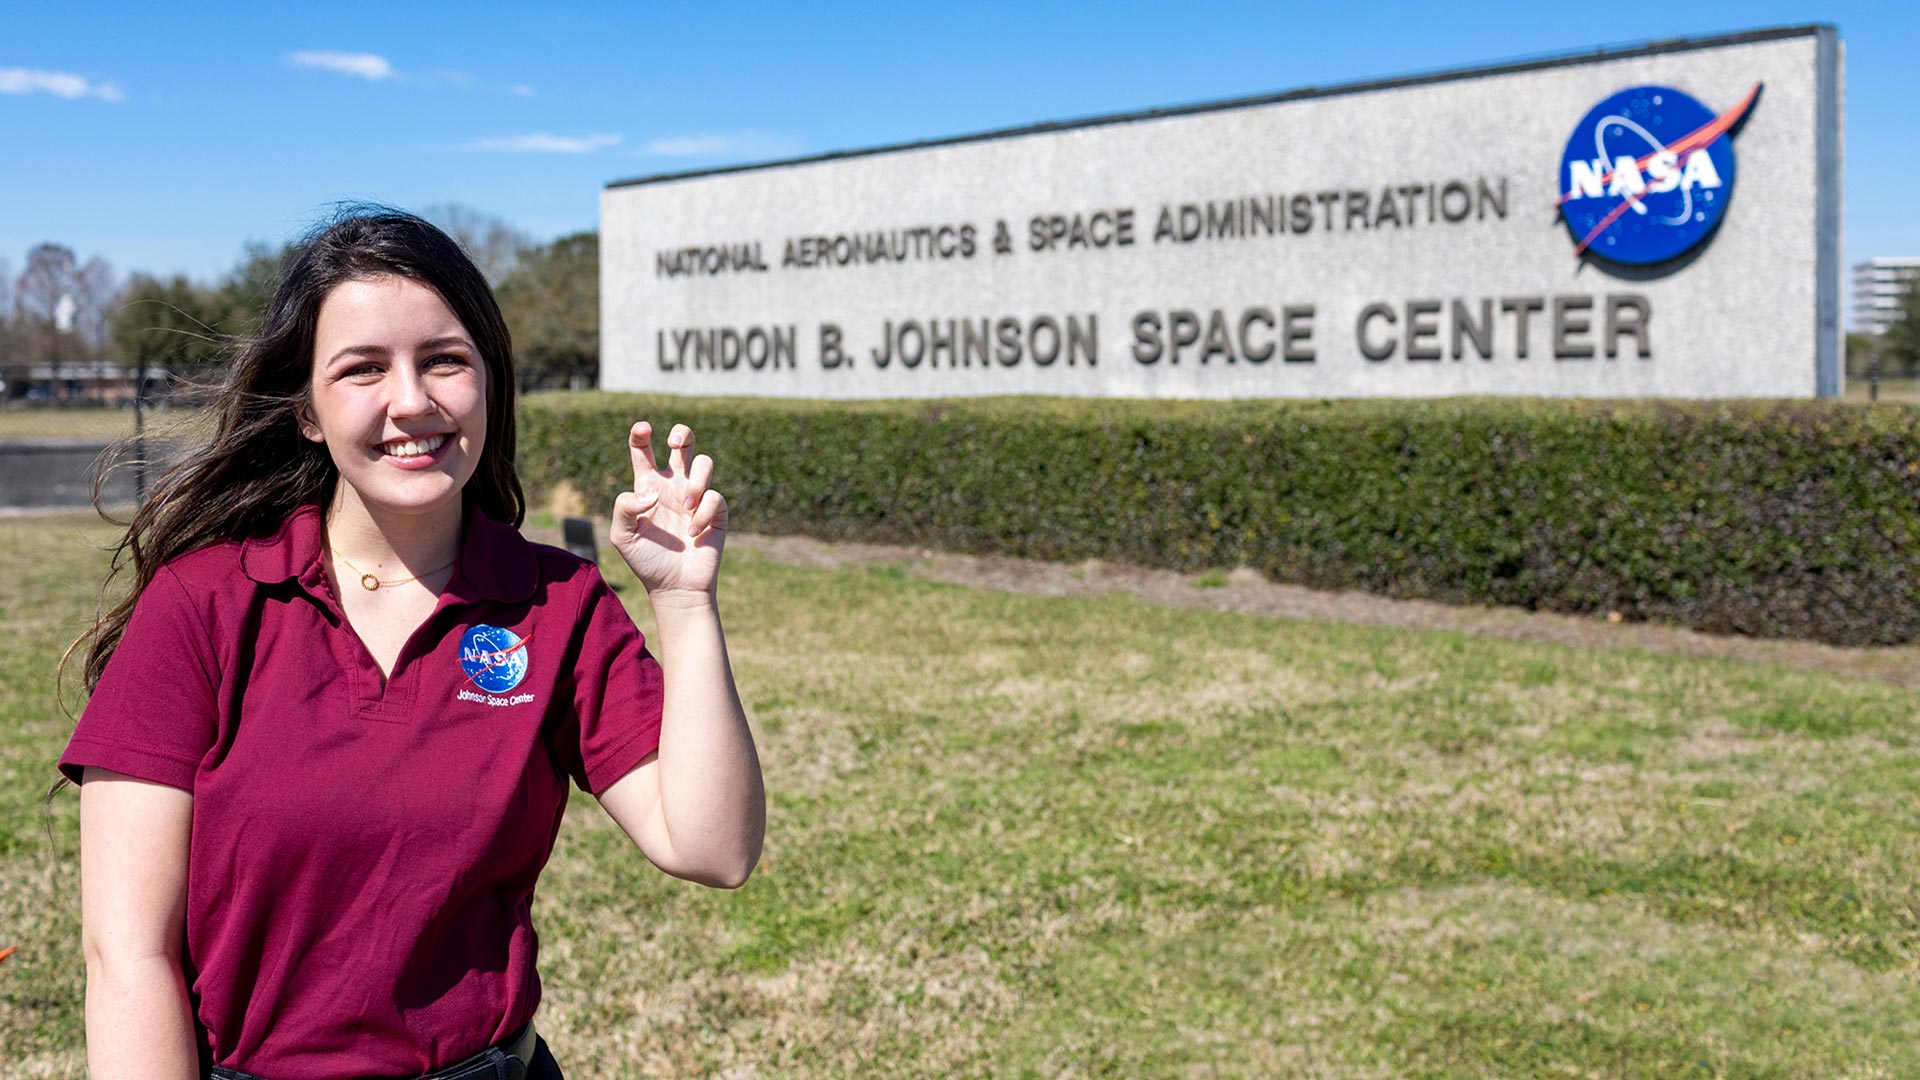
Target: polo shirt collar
496,562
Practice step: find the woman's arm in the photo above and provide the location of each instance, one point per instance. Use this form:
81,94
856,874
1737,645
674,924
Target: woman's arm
696,807
133,909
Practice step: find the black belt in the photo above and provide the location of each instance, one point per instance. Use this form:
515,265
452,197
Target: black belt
509,1060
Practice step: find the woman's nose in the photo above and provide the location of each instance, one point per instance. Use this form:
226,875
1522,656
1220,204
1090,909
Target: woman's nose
409,393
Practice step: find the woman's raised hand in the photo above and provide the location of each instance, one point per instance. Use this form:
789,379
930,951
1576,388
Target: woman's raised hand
670,528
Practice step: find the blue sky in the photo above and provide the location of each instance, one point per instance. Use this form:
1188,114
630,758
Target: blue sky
162,138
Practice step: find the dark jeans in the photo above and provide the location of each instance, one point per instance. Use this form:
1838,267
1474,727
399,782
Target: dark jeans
543,1067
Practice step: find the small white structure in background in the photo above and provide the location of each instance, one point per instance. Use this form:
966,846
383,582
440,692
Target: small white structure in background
1660,221
1876,292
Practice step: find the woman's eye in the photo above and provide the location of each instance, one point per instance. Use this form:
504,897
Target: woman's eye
444,360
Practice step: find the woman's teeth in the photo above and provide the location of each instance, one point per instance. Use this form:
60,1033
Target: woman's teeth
413,447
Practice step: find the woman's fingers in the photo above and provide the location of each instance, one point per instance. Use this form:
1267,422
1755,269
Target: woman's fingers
712,513
698,477
680,444
640,442
705,508
629,507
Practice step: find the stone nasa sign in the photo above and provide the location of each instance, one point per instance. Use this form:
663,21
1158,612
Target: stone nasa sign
1657,221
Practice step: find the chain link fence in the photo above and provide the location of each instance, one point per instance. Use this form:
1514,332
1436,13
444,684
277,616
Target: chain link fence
60,423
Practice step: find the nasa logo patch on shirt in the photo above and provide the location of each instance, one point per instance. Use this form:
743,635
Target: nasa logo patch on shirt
1647,173
495,661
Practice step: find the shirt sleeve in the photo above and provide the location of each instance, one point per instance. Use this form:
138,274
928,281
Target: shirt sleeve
154,713
618,693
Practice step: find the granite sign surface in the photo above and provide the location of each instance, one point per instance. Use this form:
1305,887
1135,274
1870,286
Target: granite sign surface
1660,221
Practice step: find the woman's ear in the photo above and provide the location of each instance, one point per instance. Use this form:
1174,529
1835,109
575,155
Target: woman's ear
308,429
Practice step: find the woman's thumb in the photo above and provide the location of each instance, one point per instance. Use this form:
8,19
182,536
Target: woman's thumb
632,504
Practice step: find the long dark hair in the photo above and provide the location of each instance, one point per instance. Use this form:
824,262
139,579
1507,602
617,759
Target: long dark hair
258,468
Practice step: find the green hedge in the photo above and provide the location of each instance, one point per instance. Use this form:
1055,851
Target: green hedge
1796,519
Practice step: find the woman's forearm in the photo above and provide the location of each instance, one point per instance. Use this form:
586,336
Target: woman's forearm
139,1020
711,796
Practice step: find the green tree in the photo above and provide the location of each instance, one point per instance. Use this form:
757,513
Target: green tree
169,323
191,329
551,300
242,295
1861,349
1901,342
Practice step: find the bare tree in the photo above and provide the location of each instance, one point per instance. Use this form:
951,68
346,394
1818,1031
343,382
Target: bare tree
62,305
495,246
7,343
94,289
47,277
45,288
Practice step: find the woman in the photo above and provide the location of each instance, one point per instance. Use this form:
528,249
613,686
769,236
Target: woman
332,728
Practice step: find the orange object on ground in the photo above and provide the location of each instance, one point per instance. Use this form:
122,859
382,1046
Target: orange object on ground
8,951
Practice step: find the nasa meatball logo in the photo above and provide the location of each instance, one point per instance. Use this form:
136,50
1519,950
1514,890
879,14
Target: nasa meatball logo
494,659
1647,174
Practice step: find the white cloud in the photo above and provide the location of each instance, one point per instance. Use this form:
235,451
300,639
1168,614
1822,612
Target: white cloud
58,83
543,144
743,144
374,67
370,66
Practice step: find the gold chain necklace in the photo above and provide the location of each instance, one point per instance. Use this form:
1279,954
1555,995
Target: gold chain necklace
370,583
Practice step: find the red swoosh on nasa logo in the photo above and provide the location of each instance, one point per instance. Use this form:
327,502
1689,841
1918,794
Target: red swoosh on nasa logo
1696,140
500,659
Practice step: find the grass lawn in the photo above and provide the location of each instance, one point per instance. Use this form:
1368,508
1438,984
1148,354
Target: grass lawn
1017,836
1902,390
22,422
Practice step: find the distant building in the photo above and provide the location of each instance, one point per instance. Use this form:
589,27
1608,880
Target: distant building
1876,292
83,381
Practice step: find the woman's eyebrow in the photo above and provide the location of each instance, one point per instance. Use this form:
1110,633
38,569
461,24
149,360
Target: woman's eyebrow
381,352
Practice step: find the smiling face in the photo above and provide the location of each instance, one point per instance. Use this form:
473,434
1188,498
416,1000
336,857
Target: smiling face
398,396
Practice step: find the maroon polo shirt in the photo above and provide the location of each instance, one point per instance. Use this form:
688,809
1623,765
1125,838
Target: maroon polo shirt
364,851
